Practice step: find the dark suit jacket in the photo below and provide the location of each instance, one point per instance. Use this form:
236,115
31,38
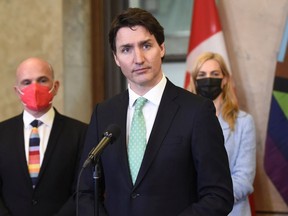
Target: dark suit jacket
57,173
184,171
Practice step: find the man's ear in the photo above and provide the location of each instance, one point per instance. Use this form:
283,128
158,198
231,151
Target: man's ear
116,59
56,87
16,89
163,49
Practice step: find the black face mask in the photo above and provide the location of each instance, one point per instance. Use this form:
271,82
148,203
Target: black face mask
209,87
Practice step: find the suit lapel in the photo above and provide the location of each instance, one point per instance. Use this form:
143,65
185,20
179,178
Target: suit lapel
52,141
166,112
121,145
20,146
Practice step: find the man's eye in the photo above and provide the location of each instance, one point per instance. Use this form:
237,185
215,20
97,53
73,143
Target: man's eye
146,46
125,50
26,83
43,80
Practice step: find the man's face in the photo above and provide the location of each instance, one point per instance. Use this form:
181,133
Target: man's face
139,57
33,71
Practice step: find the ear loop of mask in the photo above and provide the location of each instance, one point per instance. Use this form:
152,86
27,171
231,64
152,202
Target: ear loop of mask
22,93
50,93
51,89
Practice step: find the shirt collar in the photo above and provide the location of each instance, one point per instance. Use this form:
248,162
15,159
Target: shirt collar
154,95
46,119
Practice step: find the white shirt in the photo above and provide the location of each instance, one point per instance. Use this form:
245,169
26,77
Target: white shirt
150,108
44,131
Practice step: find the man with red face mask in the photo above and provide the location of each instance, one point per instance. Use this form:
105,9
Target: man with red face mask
38,180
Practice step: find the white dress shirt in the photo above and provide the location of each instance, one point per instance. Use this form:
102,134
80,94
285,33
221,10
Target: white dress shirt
150,108
44,131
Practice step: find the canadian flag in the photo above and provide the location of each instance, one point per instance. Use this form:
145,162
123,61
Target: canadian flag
206,35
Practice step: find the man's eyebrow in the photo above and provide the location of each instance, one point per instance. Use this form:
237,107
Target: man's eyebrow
42,77
141,43
144,42
125,45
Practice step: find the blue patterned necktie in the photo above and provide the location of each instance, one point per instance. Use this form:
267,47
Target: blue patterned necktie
137,139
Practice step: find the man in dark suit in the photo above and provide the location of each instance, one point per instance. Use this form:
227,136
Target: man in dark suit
184,170
50,191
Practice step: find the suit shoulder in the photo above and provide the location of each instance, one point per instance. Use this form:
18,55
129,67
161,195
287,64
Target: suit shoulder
245,115
11,120
75,121
72,121
190,97
11,125
116,99
245,119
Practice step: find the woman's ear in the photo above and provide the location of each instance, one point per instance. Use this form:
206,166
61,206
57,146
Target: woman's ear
224,81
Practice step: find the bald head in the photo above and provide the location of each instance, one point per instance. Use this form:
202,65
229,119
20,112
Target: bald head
35,71
34,67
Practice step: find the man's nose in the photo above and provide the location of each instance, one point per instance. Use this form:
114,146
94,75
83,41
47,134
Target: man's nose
138,56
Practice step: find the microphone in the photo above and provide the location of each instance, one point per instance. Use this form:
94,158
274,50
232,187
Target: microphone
111,134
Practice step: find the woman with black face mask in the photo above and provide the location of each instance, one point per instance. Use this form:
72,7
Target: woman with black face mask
212,80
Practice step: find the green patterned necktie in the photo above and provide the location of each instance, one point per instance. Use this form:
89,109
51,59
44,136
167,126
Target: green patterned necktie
137,139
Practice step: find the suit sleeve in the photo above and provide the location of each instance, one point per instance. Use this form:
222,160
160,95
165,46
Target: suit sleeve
69,208
214,185
3,210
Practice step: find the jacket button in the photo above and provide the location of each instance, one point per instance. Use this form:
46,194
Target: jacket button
34,202
135,195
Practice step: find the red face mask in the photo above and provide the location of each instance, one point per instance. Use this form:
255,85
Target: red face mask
36,97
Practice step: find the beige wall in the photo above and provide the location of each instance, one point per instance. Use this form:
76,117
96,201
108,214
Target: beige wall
77,59
58,31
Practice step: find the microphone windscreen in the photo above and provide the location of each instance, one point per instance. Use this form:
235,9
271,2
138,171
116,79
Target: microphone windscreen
114,130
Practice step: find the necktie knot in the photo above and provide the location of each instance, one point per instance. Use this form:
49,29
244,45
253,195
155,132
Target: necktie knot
35,123
140,102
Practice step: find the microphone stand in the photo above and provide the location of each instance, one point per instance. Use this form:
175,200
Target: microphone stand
96,179
97,172
93,157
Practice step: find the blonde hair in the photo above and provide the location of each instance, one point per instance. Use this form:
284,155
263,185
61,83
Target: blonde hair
230,106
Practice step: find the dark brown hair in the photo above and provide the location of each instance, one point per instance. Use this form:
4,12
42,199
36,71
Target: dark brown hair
133,17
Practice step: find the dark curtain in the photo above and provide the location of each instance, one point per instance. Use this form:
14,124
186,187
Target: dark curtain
115,82
107,79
